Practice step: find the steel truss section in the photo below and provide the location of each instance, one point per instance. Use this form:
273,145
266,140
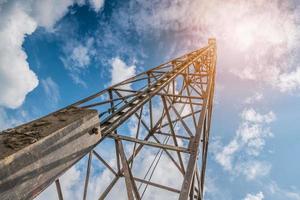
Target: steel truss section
170,107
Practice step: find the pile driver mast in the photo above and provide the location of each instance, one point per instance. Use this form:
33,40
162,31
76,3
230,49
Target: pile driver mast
161,114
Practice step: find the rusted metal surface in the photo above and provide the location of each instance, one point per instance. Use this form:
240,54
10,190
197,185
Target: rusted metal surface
33,155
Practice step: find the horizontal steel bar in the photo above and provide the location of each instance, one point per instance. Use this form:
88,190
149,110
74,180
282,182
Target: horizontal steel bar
161,94
153,144
182,73
107,101
185,102
157,185
178,136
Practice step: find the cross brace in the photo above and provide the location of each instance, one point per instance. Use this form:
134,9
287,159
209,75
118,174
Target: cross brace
170,106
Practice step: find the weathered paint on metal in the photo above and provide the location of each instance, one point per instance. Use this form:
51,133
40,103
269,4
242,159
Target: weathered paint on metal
28,166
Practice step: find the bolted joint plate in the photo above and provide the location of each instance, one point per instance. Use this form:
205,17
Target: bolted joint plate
35,154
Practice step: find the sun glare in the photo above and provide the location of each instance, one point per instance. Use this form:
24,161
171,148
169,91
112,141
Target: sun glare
245,33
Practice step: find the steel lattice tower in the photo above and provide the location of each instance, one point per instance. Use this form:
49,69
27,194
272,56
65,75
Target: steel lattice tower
166,111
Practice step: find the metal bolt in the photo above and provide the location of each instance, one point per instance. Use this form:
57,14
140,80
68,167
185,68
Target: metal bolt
94,131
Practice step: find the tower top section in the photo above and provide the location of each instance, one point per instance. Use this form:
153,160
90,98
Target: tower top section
212,41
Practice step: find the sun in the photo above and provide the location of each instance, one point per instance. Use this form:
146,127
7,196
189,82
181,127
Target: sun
246,32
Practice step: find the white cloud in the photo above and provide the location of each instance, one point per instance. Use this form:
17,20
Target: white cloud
291,193
255,98
70,180
51,89
252,116
258,41
253,137
70,184
225,156
48,12
258,196
249,140
49,193
253,169
19,19
16,78
121,71
73,180
97,4
289,81
78,57
165,173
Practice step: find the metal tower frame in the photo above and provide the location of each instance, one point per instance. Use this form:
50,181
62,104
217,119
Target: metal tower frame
170,107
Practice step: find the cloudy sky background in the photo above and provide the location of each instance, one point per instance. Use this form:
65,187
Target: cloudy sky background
56,52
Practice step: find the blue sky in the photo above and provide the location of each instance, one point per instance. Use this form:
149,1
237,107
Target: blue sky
56,52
